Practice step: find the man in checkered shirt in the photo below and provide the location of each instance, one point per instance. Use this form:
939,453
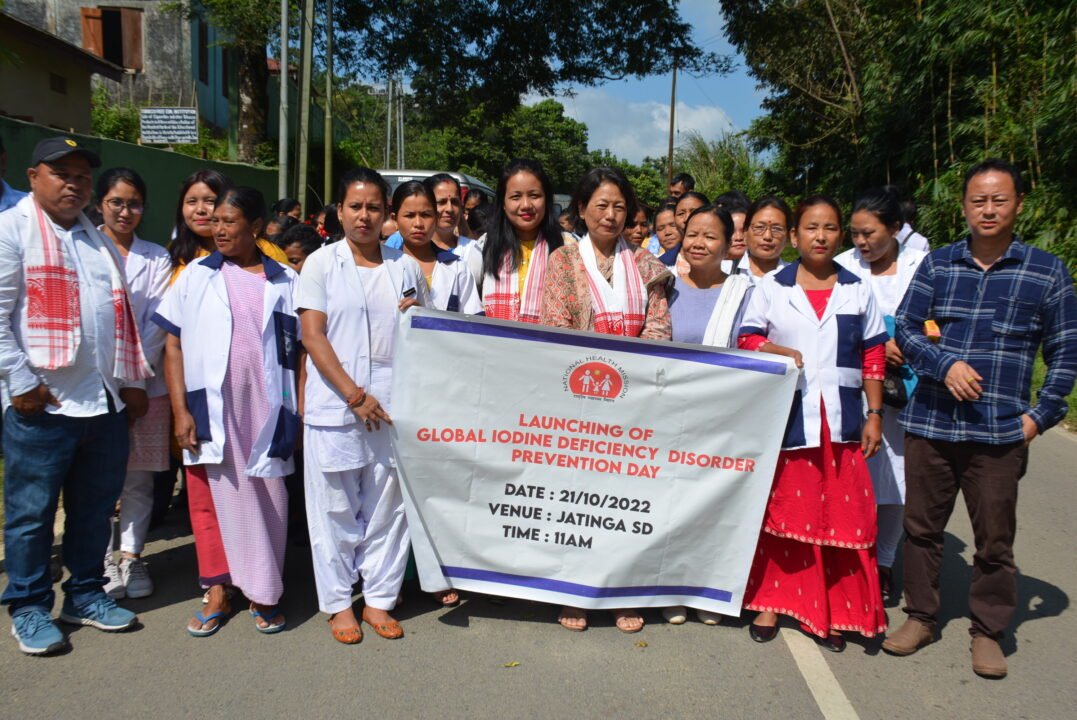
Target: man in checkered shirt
969,423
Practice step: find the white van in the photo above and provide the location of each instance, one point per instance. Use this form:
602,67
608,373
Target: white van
395,178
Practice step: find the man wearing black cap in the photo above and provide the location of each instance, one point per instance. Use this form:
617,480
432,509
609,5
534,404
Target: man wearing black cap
69,361
8,195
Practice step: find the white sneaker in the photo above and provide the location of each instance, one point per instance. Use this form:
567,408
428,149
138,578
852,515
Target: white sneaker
705,616
136,578
676,615
113,579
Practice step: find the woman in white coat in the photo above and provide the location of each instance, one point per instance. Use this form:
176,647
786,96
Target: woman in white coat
887,266
350,297
815,560
121,199
450,282
230,361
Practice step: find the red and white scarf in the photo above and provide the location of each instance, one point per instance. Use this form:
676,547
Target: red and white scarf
53,315
501,296
620,308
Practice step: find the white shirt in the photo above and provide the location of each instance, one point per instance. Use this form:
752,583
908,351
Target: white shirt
887,294
196,309
831,347
381,302
148,271
331,285
84,387
743,269
909,238
452,285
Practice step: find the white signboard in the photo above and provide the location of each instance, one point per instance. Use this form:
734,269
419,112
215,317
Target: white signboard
169,125
584,469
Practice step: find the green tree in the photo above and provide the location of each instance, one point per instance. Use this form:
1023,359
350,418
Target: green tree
721,165
247,25
866,92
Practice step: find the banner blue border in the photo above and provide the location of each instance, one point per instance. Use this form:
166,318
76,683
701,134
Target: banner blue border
598,342
569,588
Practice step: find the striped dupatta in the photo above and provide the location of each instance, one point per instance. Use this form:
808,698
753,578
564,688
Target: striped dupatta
501,298
619,309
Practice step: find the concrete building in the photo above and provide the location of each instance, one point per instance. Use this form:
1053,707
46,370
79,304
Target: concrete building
151,44
45,79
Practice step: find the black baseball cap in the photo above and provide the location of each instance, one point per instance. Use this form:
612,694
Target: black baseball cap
53,149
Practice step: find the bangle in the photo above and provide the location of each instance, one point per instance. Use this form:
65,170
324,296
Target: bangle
356,399
875,411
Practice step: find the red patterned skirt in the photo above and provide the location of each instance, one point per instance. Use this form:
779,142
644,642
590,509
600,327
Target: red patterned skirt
816,556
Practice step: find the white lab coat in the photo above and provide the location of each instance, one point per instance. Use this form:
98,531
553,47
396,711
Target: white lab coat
196,310
148,270
832,348
452,285
330,284
888,466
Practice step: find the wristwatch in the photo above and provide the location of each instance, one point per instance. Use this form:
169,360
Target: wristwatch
876,411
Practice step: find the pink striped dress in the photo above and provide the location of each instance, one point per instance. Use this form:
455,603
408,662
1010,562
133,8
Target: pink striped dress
252,511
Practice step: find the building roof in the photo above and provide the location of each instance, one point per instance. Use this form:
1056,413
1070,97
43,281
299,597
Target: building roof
62,47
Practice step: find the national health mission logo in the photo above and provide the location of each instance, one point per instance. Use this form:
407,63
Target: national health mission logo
596,377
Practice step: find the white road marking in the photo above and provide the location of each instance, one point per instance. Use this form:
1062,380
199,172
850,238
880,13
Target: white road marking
824,687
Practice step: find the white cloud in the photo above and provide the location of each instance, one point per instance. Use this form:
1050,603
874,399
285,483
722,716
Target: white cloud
634,130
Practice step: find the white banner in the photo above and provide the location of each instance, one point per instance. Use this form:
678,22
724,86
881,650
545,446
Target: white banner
584,469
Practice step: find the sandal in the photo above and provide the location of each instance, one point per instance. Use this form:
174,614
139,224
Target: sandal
389,630
441,596
267,616
349,636
571,613
619,616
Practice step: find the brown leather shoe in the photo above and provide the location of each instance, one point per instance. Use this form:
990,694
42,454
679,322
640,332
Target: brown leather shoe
909,638
987,658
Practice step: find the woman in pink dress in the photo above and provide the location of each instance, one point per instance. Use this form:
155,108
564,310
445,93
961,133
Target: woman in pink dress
232,384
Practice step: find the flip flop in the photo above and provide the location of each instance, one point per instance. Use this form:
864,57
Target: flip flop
389,630
266,615
347,636
202,620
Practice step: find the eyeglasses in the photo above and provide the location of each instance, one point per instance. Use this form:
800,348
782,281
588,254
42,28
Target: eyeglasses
117,206
760,229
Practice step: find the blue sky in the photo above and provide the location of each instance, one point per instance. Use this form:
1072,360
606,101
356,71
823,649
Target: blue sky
640,125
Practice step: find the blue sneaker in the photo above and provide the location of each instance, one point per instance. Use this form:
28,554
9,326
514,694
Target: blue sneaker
36,633
102,613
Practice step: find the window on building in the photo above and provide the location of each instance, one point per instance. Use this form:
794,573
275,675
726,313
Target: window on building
224,72
114,34
58,83
203,53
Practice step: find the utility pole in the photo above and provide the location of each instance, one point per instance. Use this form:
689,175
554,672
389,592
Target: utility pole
303,134
328,102
282,123
400,125
672,116
388,123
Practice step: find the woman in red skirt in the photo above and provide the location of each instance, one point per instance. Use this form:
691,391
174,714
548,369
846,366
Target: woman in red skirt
815,560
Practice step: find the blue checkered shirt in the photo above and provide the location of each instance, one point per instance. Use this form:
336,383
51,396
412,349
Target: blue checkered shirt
994,320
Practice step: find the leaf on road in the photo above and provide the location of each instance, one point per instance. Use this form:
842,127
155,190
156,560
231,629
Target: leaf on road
641,643
511,664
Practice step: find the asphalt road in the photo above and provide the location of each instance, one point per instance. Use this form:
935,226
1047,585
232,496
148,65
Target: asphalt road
482,660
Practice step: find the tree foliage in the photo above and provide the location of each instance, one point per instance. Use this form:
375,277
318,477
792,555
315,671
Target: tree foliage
720,165
461,54
913,92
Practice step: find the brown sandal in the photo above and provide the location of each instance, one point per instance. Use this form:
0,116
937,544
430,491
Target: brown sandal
443,598
389,630
349,636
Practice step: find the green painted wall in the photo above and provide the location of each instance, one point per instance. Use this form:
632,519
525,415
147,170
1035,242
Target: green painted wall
162,170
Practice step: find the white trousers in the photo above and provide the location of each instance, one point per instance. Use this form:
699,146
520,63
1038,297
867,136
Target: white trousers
356,522
136,507
891,518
